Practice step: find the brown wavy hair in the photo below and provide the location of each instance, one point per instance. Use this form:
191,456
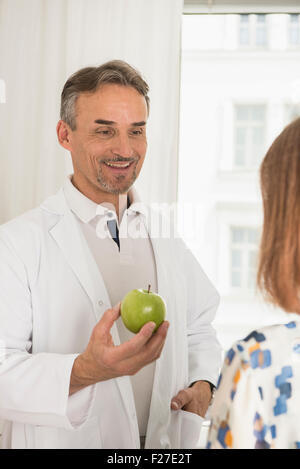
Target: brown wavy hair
278,276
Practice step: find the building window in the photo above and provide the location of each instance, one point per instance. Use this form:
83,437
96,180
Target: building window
294,30
249,135
244,30
244,246
253,30
261,30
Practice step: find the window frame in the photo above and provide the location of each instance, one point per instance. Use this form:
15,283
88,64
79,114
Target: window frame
234,214
239,6
248,166
245,248
253,26
289,31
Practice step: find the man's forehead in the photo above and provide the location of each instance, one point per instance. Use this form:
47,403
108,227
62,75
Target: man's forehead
111,96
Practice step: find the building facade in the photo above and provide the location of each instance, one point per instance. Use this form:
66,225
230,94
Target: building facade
240,78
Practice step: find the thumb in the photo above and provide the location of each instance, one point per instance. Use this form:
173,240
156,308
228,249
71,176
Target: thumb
109,317
181,399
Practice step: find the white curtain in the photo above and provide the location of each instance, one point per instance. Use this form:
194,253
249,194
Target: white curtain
42,42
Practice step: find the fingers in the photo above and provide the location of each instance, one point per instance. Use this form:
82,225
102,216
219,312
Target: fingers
152,342
181,399
129,357
148,353
109,317
144,345
110,361
151,351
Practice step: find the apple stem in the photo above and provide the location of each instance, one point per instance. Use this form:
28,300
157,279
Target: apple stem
149,286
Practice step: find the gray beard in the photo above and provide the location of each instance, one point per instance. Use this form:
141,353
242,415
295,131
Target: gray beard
116,187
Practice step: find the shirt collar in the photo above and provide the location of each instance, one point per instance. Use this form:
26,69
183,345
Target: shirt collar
86,209
135,203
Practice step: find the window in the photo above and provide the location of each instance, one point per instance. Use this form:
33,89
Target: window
236,97
294,30
253,30
249,135
261,30
244,30
243,250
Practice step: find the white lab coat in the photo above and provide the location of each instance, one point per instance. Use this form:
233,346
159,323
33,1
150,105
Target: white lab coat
51,296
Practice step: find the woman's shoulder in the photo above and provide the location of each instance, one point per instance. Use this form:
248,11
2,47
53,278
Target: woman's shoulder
264,365
271,335
266,345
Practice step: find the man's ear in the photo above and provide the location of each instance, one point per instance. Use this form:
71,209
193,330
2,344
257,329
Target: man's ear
63,134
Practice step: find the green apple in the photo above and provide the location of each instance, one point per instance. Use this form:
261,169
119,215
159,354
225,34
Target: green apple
141,306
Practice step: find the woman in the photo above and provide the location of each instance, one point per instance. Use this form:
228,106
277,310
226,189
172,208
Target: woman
257,403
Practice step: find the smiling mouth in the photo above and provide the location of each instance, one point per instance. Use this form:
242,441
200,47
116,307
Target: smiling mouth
118,165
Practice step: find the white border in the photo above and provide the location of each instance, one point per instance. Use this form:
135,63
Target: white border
2,92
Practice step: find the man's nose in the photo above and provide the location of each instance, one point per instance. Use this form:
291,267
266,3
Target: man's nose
122,146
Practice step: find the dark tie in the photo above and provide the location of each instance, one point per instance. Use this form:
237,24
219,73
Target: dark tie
114,231
113,227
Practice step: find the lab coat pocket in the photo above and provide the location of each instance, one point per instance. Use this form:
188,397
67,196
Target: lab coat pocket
190,429
86,437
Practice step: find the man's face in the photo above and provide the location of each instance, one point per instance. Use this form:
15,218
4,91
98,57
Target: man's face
109,144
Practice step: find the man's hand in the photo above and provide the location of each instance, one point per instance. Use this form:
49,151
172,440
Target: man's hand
103,360
194,399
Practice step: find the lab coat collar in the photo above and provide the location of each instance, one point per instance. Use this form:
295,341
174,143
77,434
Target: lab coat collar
86,209
82,206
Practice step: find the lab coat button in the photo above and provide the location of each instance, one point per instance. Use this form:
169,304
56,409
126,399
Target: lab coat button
100,302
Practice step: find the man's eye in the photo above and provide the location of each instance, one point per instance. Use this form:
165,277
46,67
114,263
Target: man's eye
137,132
104,133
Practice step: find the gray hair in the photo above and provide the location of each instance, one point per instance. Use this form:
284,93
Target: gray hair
89,79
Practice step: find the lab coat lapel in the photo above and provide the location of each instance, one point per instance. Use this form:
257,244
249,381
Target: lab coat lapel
170,374
74,247
157,431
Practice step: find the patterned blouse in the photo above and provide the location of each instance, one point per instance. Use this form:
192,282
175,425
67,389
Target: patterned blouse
257,403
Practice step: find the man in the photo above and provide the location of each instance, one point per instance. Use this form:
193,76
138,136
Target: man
72,376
